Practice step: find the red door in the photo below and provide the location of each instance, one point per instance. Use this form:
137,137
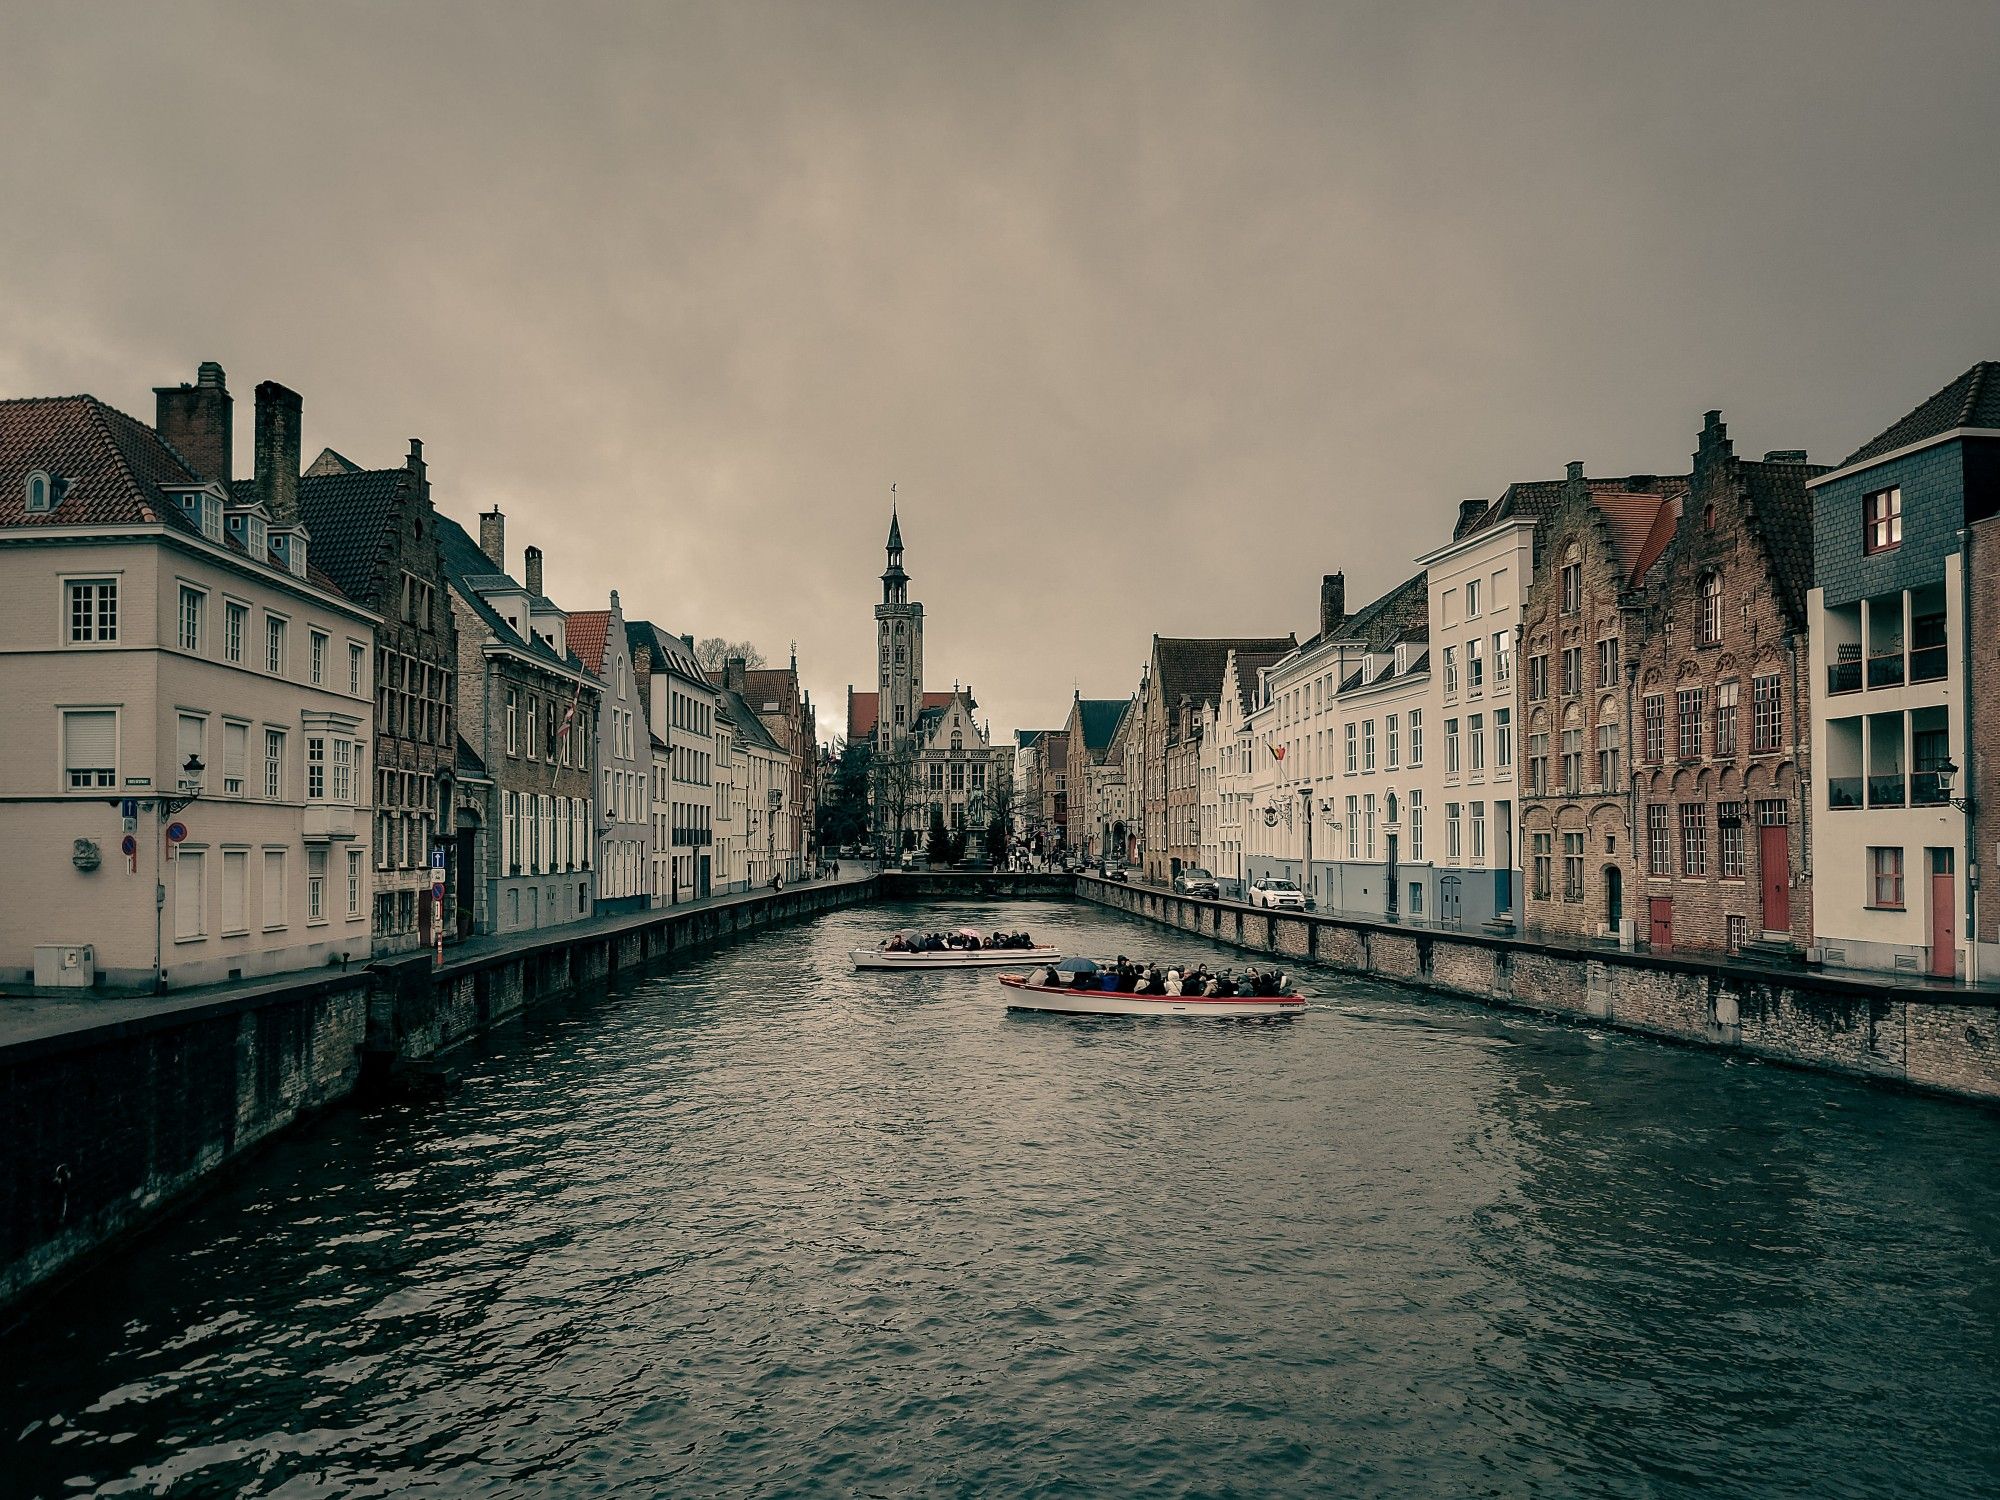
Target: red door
1774,868
1662,909
1944,902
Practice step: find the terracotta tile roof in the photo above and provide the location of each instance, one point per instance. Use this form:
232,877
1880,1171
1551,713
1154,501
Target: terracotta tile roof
587,631
864,711
749,728
112,467
1972,400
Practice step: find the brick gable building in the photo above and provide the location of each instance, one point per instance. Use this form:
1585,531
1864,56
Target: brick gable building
1723,694
1581,625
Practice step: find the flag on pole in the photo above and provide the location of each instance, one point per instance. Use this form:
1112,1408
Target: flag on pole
562,732
1277,752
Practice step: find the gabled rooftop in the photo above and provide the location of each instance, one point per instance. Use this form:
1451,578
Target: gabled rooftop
1972,400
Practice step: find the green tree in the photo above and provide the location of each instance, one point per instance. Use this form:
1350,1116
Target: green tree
996,841
843,812
938,845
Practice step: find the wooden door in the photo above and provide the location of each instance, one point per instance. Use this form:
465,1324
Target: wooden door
1774,870
1661,909
1944,928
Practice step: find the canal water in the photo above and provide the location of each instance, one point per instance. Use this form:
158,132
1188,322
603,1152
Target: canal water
764,1226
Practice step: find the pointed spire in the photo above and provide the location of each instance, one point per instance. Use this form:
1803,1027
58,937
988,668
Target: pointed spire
895,531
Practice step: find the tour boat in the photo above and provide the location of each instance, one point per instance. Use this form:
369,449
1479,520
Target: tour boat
953,958
1061,1000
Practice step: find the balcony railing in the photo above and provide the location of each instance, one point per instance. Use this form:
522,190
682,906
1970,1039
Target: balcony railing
1926,789
1844,677
1843,791
1887,791
1886,670
1928,663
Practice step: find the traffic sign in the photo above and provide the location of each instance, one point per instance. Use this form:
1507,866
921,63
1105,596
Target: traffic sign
176,832
437,859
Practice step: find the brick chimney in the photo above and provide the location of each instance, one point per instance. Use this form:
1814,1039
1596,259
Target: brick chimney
1576,467
278,451
415,464
1469,511
200,421
1332,603
531,570
734,674
493,538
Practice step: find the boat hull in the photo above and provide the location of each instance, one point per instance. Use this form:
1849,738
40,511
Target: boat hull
954,958
1065,1002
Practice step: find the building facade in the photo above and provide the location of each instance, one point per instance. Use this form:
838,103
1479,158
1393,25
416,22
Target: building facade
375,532
684,706
624,824
193,707
528,708
1891,646
1723,754
1577,694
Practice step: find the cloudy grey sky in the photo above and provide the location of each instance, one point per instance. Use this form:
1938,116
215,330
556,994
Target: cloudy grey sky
1153,313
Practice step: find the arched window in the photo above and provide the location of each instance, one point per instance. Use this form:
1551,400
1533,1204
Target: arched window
957,740
1708,624
40,493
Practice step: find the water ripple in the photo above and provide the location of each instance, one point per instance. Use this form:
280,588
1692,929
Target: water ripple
764,1227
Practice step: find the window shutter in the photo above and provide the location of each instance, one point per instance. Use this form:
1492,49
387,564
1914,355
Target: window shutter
235,873
235,750
90,740
187,894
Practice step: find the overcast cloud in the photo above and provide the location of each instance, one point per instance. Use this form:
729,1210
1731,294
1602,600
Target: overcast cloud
1153,314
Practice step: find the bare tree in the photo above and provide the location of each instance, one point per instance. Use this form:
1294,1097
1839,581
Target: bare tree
715,652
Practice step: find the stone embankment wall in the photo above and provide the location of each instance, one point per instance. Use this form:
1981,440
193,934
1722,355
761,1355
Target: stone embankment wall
1932,1039
957,885
107,1121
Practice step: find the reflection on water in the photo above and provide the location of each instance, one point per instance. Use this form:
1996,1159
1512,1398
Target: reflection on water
764,1226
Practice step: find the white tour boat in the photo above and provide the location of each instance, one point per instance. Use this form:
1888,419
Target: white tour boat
952,958
1065,1001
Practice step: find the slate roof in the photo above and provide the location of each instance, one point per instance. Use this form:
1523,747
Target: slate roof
587,632
349,514
1972,400
749,728
1098,719
669,650
1380,624
1782,508
467,569
468,762
1248,665
115,470
1193,668
1027,737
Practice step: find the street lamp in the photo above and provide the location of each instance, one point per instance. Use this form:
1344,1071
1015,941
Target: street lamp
190,788
1947,773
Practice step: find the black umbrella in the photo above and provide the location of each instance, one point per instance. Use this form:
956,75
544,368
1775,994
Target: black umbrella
1077,966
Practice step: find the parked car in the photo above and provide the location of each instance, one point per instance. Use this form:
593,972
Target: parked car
1274,893
1112,871
1195,881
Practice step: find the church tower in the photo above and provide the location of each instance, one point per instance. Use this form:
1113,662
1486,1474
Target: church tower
899,639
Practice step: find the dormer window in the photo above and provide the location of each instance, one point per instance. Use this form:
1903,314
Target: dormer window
211,517
296,555
257,540
41,494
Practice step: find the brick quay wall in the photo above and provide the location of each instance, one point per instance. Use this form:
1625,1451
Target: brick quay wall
115,1109
1938,1040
